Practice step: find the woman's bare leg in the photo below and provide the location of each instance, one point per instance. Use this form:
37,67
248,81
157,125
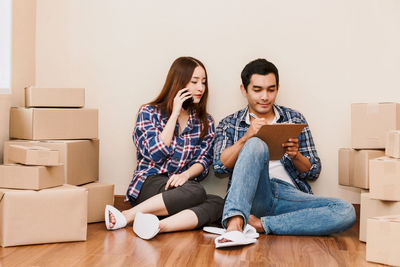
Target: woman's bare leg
184,220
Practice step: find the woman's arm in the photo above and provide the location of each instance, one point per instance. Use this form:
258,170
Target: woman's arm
168,132
179,179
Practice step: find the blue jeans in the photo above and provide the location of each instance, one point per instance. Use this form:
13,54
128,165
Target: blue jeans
283,209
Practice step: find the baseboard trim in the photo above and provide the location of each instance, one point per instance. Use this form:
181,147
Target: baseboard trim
119,203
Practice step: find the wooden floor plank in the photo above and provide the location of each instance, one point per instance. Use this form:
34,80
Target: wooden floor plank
191,248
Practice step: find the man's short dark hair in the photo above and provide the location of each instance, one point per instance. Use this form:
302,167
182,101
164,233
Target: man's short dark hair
259,66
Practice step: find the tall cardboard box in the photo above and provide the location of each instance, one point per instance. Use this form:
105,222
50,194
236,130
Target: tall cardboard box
99,195
354,166
35,155
53,123
371,122
384,175
54,97
31,177
374,208
383,240
80,157
392,148
50,215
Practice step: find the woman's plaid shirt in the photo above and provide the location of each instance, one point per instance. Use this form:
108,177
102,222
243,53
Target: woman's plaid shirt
154,157
233,127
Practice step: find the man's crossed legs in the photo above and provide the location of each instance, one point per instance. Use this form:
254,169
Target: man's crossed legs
279,207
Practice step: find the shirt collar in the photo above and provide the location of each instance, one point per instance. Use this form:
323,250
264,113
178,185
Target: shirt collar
277,112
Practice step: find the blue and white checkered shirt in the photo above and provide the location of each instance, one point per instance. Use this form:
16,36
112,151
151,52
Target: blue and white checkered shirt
234,126
155,157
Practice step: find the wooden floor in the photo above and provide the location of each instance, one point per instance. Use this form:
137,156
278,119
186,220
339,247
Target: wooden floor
192,248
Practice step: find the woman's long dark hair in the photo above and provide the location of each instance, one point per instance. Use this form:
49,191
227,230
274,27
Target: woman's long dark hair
179,75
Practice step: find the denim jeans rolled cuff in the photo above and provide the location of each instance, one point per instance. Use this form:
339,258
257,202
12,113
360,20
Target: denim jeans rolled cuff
231,214
264,223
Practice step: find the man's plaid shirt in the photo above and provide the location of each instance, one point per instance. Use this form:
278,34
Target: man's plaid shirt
233,127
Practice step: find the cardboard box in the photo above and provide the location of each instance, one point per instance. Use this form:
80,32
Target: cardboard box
392,148
80,157
57,214
354,166
31,177
54,97
373,208
384,178
383,240
35,155
371,122
53,123
99,195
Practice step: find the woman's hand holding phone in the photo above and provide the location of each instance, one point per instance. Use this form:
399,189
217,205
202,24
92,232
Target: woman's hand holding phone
181,97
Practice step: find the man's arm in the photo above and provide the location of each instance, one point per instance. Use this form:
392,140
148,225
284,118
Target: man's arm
230,154
301,163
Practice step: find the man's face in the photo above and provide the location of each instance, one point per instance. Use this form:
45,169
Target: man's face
261,93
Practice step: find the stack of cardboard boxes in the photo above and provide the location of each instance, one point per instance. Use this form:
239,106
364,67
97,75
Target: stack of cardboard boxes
48,188
374,134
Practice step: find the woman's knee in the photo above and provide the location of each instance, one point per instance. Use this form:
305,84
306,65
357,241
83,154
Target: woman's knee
193,192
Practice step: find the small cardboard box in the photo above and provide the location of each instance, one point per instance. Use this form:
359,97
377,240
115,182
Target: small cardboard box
383,240
393,144
373,208
57,214
80,157
54,97
35,155
371,122
53,123
384,178
99,195
354,166
31,177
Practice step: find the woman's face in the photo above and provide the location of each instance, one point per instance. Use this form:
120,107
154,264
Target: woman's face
197,84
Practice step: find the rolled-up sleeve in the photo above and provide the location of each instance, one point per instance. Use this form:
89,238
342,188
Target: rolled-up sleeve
147,139
203,152
223,139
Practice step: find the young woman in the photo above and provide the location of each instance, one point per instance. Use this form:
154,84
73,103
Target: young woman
173,136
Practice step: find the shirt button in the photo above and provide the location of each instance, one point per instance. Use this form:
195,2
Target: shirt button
180,143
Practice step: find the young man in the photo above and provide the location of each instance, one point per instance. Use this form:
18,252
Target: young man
271,195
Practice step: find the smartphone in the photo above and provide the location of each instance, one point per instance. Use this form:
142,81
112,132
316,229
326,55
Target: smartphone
187,103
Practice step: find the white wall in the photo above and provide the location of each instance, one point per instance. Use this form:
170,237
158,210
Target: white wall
5,46
329,53
21,60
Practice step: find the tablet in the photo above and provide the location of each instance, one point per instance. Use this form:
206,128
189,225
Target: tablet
277,134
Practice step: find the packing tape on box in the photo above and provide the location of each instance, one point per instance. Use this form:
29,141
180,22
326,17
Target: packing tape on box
372,108
32,147
388,218
352,170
